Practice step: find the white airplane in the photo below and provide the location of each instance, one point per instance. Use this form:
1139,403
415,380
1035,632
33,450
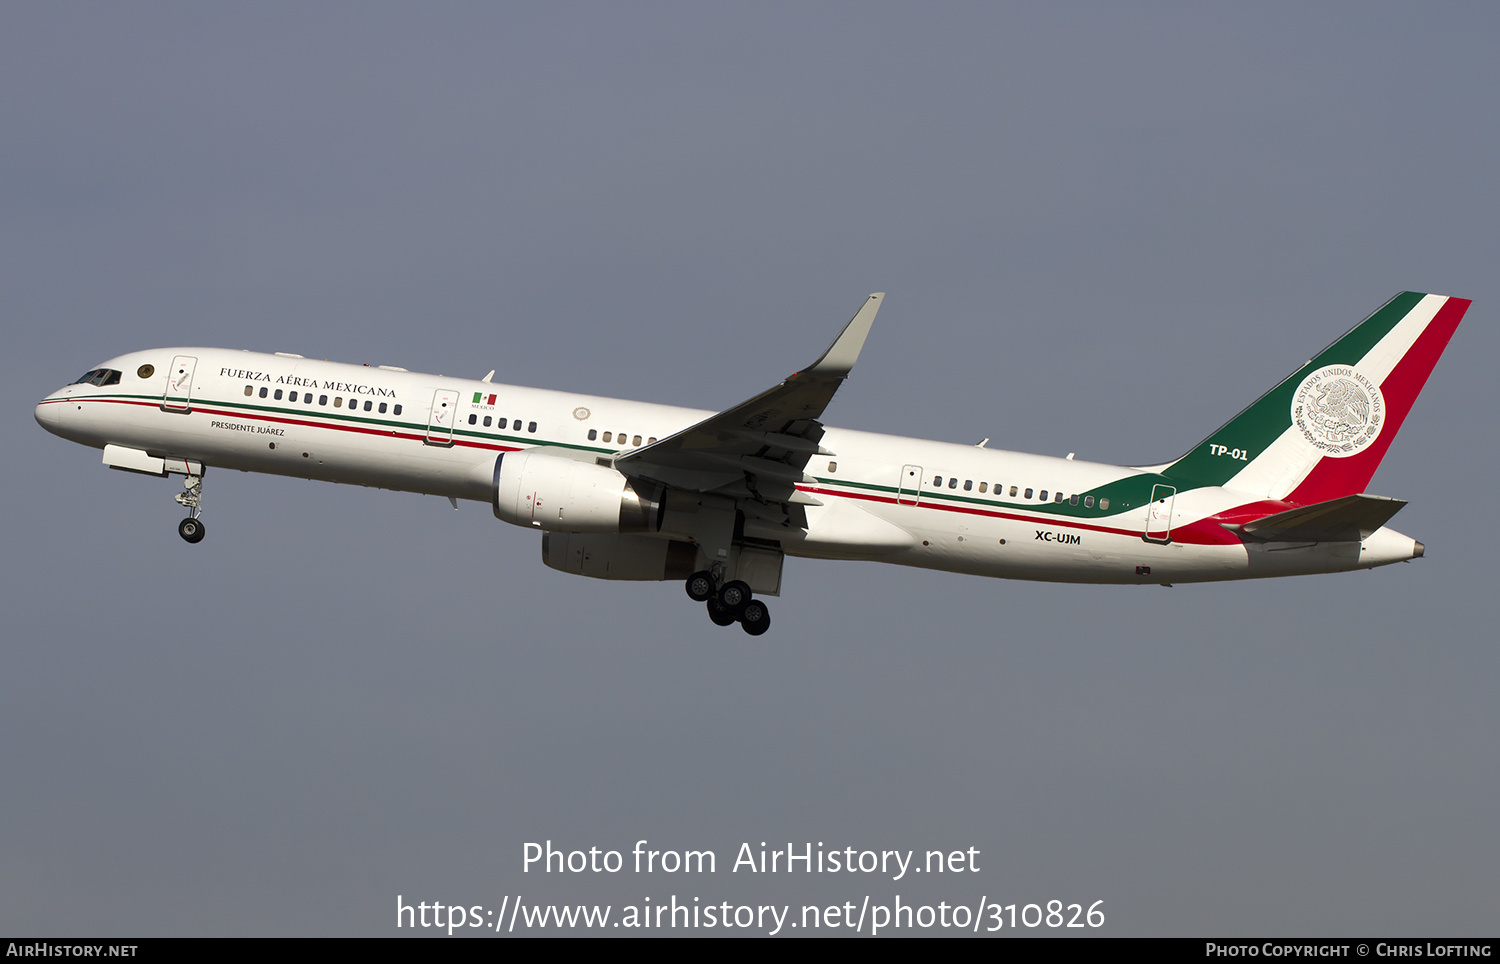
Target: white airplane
629,490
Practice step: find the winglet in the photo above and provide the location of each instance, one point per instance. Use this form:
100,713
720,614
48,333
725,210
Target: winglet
840,357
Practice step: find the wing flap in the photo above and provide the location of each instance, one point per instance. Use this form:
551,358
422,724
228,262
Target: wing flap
1350,518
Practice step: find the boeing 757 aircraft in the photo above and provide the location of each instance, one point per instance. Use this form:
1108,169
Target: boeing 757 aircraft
629,490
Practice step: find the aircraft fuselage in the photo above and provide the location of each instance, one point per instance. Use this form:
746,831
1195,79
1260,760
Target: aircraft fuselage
908,501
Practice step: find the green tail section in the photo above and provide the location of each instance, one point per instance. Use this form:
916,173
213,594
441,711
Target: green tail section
1222,455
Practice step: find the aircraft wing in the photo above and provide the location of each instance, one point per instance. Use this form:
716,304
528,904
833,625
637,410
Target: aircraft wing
1348,519
761,447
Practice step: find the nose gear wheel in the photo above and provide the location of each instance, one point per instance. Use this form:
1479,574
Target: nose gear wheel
191,497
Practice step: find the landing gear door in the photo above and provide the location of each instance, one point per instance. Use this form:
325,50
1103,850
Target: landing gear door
909,491
444,414
1159,514
179,395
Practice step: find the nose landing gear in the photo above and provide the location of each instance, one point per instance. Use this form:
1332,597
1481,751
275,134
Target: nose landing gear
191,529
730,603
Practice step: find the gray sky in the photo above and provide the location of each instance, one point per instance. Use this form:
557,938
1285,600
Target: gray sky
1103,228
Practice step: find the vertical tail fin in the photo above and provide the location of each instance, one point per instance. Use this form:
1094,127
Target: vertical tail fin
1321,433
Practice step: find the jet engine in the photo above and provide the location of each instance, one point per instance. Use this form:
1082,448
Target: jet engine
542,491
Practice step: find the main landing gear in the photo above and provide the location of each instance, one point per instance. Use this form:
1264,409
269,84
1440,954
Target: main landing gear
191,529
730,603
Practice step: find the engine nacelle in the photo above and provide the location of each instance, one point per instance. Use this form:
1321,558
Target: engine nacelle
611,556
542,491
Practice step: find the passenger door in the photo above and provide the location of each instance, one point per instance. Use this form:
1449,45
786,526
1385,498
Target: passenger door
440,420
179,394
909,490
1159,514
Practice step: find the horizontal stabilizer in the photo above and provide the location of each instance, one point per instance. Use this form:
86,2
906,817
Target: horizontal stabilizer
1348,519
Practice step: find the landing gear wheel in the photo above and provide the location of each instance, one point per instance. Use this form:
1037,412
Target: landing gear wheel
734,596
700,586
191,498
755,617
720,615
191,530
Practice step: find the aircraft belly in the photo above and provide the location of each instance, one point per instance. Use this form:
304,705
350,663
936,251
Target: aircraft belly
1051,554
839,529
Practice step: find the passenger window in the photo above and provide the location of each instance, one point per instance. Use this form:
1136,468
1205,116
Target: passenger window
1028,492
1044,495
516,425
953,482
608,436
381,410
1088,502
1104,503
397,409
833,466
1058,497
277,396
473,419
322,399
292,397
968,485
367,406
651,440
1012,492
593,434
338,401
248,391
937,481
637,440
486,421
1073,499
264,392
984,487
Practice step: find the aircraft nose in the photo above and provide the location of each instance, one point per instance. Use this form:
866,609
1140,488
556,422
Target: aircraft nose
49,413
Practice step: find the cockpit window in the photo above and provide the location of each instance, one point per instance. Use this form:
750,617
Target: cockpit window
100,377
